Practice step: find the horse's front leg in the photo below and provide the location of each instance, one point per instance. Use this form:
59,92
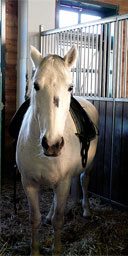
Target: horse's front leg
34,214
60,197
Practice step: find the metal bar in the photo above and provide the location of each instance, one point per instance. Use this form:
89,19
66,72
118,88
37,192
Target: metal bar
88,60
70,38
107,99
51,41
77,66
84,64
108,200
86,24
42,45
96,59
118,57
80,62
57,37
104,62
125,59
64,42
108,66
92,57
48,43
121,51
73,72
52,44
114,60
100,63
61,44
67,41
112,147
46,38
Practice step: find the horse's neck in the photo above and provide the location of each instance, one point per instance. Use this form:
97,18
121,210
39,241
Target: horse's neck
70,125
30,123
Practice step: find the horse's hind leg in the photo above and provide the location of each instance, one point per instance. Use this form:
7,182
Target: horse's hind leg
50,214
61,193
35,216
84,178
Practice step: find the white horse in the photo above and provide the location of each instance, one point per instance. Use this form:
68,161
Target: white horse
47,148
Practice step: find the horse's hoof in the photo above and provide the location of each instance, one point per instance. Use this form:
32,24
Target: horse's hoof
56,251
47,222
87,214
36,253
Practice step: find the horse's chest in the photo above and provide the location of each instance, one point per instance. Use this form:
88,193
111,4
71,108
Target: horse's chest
41,168
33,164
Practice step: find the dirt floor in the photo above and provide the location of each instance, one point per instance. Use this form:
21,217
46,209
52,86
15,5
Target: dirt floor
105,233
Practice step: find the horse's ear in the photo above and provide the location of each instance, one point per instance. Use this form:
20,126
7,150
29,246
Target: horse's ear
71,56
35,56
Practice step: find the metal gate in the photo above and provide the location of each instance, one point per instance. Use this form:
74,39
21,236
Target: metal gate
100,75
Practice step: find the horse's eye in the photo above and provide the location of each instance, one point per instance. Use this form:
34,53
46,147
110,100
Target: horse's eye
36,86
70,88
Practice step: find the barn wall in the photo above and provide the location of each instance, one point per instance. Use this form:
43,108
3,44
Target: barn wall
109,176
10,73
44,14
123,4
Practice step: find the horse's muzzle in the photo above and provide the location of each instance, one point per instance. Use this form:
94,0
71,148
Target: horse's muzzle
54,150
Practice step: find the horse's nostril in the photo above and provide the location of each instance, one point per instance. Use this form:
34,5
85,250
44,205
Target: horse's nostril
60,143
45,143
57,145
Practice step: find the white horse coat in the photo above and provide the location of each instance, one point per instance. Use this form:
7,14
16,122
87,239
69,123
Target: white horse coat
48,149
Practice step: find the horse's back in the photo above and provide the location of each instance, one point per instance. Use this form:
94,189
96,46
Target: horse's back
89,108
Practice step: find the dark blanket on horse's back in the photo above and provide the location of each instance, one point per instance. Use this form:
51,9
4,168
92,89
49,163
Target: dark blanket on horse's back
86,130
17,119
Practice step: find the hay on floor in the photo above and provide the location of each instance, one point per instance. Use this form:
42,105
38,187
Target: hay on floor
105,233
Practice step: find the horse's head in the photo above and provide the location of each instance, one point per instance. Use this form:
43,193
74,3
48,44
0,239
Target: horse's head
51,93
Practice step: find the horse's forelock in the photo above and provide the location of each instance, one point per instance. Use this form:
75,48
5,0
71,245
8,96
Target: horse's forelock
53,60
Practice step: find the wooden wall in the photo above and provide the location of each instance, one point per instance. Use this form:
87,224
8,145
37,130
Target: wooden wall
10,73
123,4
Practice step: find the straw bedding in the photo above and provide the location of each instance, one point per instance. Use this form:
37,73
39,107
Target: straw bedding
105,233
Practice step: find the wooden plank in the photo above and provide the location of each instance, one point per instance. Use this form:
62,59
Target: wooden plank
93,174
117,152
107,149
11,33
97,175
11,21
123,197
12,7
76,190
11,47
101,146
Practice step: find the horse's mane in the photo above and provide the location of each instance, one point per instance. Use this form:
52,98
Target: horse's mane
53,60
